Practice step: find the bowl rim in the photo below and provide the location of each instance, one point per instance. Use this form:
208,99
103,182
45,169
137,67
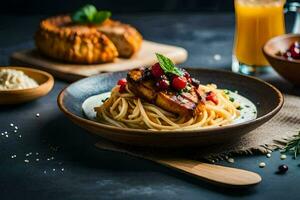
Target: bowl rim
140,132
280,37
49,79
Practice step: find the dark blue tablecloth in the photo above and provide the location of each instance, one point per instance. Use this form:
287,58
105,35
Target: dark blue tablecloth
57,160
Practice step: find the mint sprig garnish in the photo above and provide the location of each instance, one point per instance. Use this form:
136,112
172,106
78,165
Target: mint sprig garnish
89,14
167,65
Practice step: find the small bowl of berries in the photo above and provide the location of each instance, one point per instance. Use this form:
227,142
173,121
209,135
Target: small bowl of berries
283,54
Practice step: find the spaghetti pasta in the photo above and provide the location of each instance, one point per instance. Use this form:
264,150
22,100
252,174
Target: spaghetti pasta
127,110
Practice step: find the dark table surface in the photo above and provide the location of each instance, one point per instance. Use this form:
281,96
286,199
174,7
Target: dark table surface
64,164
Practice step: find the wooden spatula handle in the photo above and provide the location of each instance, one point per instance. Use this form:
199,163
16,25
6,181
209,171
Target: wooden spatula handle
226,176
212,173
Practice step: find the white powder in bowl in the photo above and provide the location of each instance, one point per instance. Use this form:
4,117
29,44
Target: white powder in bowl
11,79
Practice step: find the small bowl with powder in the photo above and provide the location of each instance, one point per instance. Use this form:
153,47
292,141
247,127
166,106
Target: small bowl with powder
21,84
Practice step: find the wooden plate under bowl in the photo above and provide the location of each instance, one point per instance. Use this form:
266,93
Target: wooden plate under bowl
44,79
288,69
266,97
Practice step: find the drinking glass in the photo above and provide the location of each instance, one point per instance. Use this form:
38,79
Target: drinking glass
256,22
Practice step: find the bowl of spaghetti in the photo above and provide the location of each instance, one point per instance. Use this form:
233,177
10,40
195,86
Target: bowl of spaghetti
165,106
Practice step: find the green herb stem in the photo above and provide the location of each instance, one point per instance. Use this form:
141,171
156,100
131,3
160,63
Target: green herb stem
293,146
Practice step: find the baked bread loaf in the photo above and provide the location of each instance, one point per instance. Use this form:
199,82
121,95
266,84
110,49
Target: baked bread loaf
126,38
58,37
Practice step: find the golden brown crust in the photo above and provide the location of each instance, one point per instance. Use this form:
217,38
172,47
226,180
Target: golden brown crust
58,38
125,37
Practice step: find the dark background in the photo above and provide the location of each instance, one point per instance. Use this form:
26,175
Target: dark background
47,7
22,7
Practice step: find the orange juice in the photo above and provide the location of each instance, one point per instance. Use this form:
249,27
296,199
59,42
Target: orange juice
256,22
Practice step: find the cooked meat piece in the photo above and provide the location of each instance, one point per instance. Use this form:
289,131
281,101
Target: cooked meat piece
125,37
141,88
175,103
182,104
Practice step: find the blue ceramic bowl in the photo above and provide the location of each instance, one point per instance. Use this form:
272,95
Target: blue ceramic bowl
266,97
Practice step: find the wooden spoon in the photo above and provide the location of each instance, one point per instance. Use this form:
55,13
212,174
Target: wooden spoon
225,176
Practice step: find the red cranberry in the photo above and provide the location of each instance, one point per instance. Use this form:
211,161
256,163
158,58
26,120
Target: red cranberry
163,84
211,96
157,71
179,82
295,45
122,81
295,52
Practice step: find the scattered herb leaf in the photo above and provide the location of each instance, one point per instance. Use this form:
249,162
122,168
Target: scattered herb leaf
167,65
226,92
101,16
103,100
231,99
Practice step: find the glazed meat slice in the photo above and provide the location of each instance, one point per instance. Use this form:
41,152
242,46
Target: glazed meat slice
175,103
125,37
181,104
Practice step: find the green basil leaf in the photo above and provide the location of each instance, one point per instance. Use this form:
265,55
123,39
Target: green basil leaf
167,65
89,14
89,11
101,16
79,16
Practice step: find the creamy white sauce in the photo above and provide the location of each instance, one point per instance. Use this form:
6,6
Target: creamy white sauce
248,111
11,79
94,101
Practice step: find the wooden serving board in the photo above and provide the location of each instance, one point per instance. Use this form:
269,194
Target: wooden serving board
73,72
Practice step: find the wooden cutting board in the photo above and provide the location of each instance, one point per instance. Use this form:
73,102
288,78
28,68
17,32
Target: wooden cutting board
73,72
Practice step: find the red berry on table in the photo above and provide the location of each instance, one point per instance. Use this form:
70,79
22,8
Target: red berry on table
179,82
156,70
211,96
163,84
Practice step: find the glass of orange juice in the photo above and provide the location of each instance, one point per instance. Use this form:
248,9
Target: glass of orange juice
256,22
